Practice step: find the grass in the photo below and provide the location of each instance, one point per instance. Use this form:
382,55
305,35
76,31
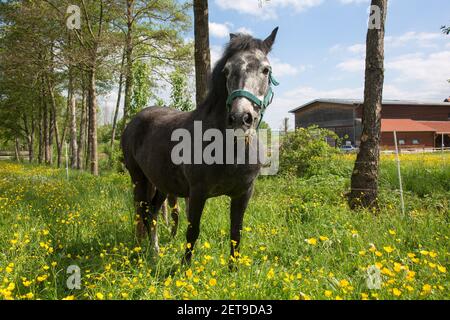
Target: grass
300,240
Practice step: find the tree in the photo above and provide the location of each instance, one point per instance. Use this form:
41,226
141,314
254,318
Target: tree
180,96
152,30
202,53
364,180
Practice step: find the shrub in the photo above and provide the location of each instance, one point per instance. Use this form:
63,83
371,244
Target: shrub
306,152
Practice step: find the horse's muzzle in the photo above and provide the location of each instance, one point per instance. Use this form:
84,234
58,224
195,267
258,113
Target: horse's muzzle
241,120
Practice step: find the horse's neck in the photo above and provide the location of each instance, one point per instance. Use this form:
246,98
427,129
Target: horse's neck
213,112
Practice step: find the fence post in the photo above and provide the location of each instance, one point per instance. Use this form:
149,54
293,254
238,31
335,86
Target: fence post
399,173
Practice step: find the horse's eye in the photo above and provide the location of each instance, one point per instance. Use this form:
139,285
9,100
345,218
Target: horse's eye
266,71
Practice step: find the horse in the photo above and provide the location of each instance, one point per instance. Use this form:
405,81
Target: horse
238,94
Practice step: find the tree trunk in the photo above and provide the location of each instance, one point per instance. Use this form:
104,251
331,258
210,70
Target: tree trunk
129,63
73,125
202,54
364,182
46,127
55,123
81,139
17,149
119,95
92,106
41,137
50,135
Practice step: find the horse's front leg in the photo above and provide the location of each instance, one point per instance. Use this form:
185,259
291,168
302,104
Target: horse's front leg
196,204
238,206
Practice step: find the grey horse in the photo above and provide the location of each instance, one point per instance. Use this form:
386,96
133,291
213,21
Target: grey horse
240,82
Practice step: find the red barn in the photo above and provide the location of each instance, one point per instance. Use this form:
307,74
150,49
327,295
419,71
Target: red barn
418,124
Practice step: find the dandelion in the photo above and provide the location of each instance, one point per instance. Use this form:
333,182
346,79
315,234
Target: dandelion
270,274
396,292
426,289
344,283
328,293
206,245
323,238
392,232
99,296
442,269
69,298
388,249
212,282
311,241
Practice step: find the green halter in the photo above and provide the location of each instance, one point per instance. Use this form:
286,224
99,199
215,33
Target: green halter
250,96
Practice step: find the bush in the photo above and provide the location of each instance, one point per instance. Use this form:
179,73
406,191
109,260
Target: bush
306,152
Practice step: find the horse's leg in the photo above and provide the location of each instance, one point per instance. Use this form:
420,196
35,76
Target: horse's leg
238,206
173,204
155,205
164,212
141,192
196,205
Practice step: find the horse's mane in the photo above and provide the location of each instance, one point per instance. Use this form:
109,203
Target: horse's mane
217,86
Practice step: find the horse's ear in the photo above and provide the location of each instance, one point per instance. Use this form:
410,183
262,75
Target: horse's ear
232,36
268,42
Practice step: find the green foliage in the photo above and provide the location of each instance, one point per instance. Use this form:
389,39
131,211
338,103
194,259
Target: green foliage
141,87
304,152
180,97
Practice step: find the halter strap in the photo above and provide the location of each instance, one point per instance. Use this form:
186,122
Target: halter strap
263,104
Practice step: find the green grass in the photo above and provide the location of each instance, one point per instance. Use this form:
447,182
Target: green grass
300,240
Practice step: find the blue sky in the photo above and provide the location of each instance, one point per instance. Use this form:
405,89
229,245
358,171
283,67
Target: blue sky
320,47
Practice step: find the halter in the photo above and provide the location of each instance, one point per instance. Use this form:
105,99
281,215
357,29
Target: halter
263,104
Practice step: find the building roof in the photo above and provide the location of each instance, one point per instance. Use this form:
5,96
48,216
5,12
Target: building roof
360,101
404,125
438,126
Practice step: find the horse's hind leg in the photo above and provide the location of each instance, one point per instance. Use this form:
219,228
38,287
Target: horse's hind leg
164,212
141,196
175,212
155,205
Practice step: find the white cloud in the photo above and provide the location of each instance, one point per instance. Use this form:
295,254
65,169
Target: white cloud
245,30
359,48
352,65
216,52
422,39
266,9
281,69
219,30
353,1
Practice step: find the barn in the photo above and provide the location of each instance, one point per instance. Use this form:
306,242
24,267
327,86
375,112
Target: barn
417,124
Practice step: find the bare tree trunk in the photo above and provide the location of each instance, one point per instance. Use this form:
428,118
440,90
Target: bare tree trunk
129,62
73,125
92,105
81,140
46,127
50,135
17,149
55,123
119,95
364,183
202,54
41,137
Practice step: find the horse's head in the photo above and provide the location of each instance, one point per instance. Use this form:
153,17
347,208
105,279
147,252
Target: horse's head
248,79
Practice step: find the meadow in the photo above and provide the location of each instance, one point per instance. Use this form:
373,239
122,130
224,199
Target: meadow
300,240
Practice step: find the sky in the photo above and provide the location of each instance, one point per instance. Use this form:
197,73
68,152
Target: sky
319,51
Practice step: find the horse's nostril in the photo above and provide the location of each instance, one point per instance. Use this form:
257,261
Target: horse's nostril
247,119
231,119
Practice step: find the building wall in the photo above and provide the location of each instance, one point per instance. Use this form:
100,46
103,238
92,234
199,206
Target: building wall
335,117
423,112
426,140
